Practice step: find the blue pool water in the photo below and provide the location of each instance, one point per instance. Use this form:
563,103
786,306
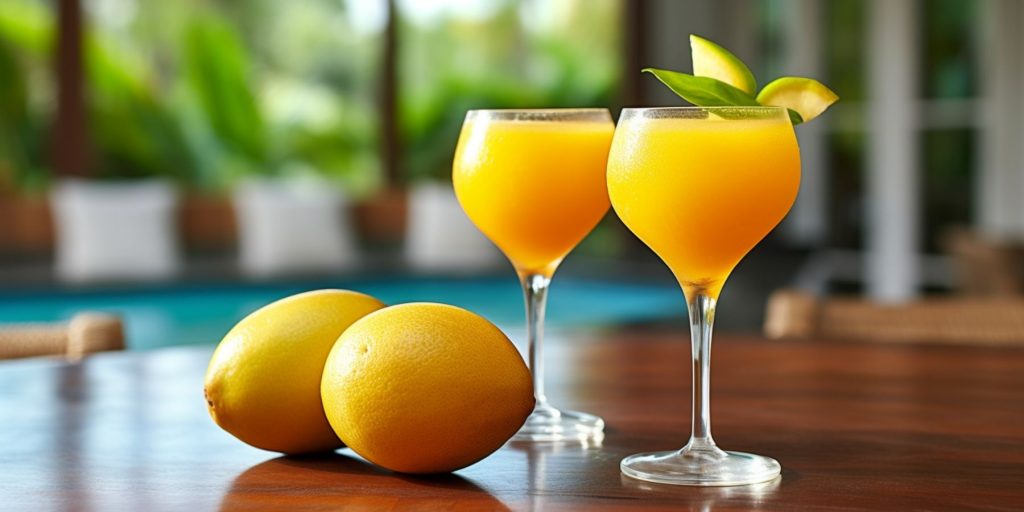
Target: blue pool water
196,314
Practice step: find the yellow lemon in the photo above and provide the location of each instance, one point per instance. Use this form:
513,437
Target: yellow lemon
263,382
425,388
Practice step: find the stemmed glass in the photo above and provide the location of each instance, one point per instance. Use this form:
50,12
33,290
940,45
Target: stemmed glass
533,181
701,186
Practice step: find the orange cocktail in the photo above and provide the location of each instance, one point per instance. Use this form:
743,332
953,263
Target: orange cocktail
534,187
701,186
701,192
534,182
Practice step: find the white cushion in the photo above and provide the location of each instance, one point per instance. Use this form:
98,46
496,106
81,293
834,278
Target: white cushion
115,230
440,237
287,226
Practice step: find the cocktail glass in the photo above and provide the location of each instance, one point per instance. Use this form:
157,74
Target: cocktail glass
533,181
701,186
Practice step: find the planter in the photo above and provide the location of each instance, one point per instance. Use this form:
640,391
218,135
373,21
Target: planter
115,230
381,219
440,237
26,228
292,226
208,224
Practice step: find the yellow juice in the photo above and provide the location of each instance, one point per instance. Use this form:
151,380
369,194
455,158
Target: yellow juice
535,188
702,192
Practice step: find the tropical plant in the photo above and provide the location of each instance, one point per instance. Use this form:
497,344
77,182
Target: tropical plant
454,64
22,138
215,91
184,101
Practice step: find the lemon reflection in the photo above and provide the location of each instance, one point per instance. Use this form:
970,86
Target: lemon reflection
337,481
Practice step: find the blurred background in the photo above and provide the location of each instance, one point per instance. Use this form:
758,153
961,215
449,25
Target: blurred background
182,163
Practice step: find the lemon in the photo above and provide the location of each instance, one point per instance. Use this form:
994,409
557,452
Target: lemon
713,61
425,388
263,382
805,96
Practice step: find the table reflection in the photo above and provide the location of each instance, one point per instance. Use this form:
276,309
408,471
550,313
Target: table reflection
707,499
338,480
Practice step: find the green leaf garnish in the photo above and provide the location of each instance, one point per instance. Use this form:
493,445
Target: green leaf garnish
803,98
703,91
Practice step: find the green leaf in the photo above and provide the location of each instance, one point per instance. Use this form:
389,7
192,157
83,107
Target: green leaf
703,91
795,117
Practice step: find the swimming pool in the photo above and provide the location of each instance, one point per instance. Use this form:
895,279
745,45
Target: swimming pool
197,314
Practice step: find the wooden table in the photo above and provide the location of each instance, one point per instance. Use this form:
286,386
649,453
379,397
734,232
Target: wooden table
855,426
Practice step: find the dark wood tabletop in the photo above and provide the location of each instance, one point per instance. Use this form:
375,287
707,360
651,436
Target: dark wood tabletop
855,426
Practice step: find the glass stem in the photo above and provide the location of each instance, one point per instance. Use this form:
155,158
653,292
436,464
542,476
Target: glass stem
702,319
535,291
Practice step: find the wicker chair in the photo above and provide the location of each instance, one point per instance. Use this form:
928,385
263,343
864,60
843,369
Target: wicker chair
985,265
85,334
978,321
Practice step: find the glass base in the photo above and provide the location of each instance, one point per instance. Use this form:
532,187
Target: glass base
546,423
706,466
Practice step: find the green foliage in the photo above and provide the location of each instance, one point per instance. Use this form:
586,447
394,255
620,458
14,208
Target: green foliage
13,95
21,133
135,134
217,69
455,64
844,48
430,126
208,92
19,141
27,26
338,152
948,70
